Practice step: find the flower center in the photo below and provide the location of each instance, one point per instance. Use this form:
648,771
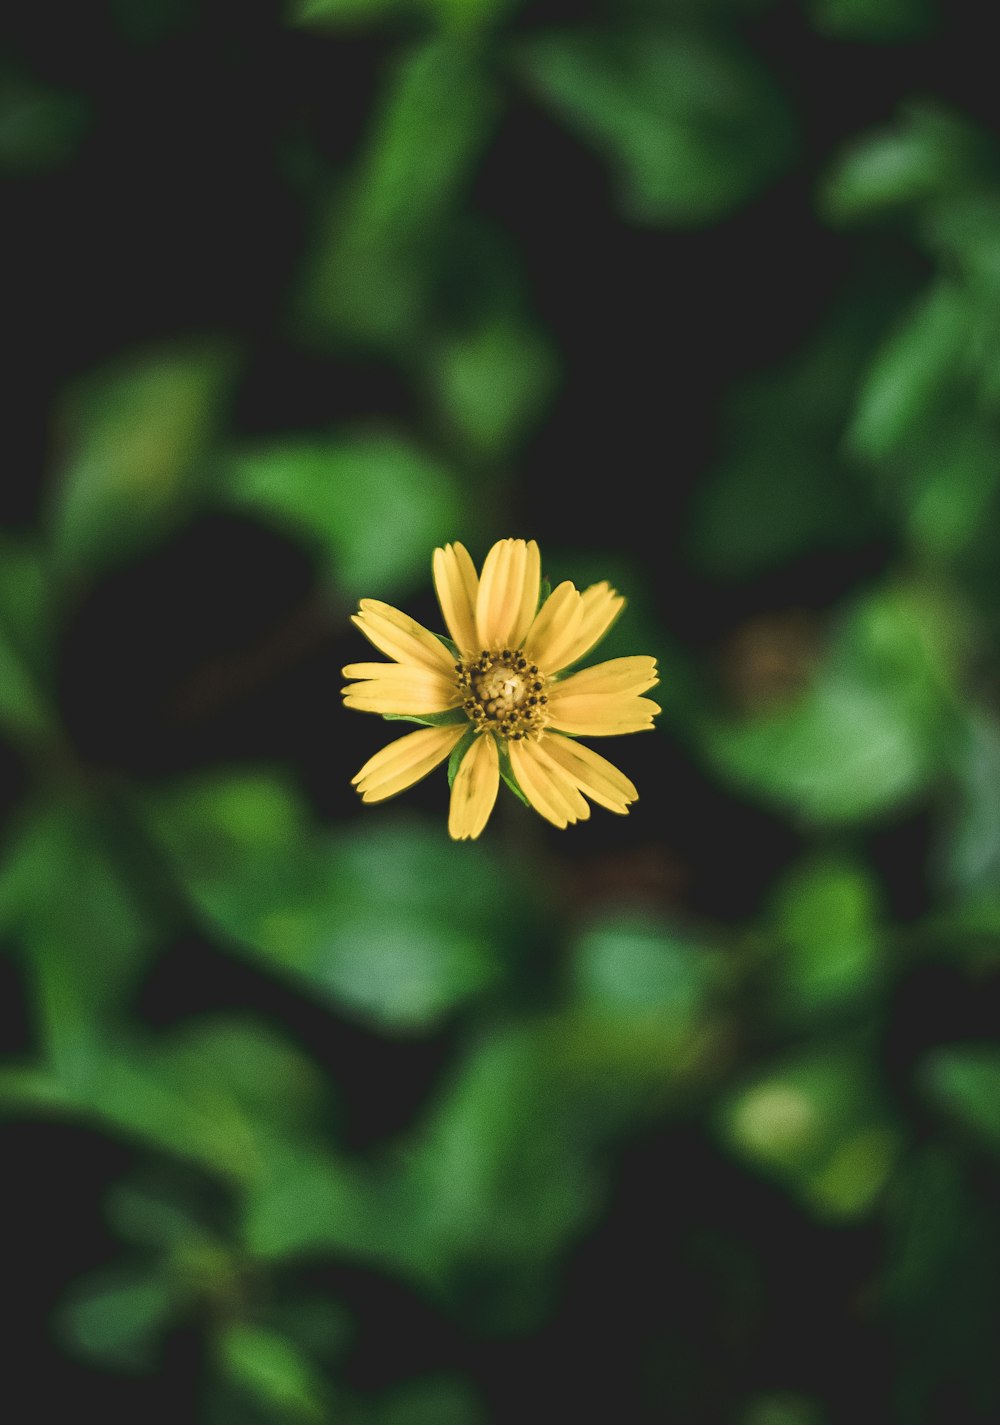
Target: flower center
504,694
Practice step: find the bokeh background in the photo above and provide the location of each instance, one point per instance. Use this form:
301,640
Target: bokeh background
309,1114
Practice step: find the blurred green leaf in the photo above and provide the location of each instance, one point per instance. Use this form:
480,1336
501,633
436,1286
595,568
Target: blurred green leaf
781,486
129,1092
690,124
274,1371
40,127
962,231
964,1080
784,1408
66,900
435,1400
913,374
373,507
152,1216
311,1200
380,922
878,723
939,1293
817,1124
269,1077
825,917
26,702
135,444
491,383
368,275
887,21
504,1167
116,1318
926,153
968,862
455,15
921,420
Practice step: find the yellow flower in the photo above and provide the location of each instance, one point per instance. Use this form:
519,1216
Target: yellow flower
498,698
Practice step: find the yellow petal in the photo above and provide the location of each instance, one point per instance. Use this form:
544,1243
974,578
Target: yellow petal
549,790
474,789
401,637
554,627
530,586
503,593
618,675
398,688
601,714
405,761
593,774
601,605
457,585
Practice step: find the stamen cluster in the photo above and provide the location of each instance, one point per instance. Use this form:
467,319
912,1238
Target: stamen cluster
504,694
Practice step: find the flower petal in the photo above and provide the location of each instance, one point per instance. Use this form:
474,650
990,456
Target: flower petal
591,773
618,675
549,790
401,637
403,762
530,586
601,714
399,688
457,585
554,627
503,587
474,789
601,605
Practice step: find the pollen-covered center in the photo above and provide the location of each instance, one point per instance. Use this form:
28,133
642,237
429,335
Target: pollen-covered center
504,693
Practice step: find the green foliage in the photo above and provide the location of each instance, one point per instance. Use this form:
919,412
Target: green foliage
690,124
817,1124
136,446
369,279
878,722
406,1122
372,923
40,127
370,506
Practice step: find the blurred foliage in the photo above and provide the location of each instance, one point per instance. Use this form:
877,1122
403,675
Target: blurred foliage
315,1115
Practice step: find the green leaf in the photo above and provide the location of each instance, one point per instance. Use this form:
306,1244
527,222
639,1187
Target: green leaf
968,861
913,374
136,448
274,1371
40,127
817,1124
825,918
453,718
66,900
26,631
458,15
435,1400
312,1200
690,125
507,772
116,1319
964,1080
369,274
886,21
372,507
926,153
458,754
491,383
503,1168
879,722
374,921
780,486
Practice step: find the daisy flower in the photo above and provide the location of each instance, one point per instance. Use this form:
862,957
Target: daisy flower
498,697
